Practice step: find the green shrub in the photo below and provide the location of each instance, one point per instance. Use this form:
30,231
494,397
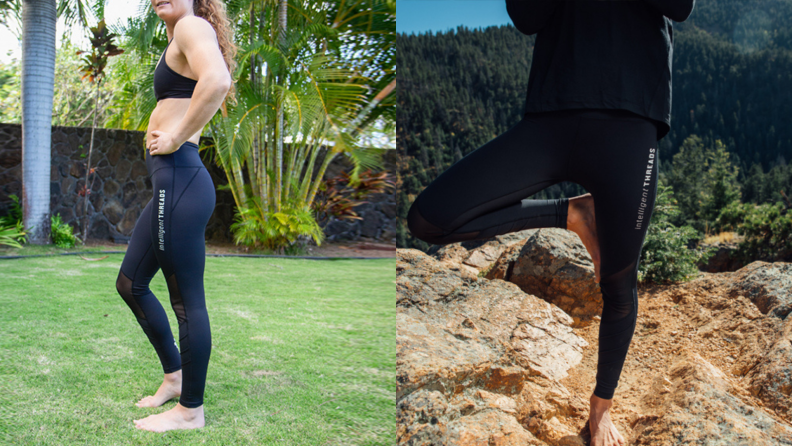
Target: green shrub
665,256
12,231
61,233
767,229
14,213
275,231
13,235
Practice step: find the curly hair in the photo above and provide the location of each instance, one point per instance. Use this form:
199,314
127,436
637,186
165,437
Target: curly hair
213,11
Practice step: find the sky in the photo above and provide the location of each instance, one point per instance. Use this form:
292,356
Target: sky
419,16
115,10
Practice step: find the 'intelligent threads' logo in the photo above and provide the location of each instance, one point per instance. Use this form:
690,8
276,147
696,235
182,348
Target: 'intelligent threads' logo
161,219
647,182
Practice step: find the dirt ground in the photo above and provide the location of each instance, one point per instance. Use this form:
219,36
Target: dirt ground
360,248
663,330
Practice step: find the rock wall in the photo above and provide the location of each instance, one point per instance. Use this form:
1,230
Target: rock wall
121,188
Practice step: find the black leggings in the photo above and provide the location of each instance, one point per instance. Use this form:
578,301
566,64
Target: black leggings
611,153
169,234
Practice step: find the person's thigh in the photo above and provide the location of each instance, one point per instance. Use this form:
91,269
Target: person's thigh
527,158
617,162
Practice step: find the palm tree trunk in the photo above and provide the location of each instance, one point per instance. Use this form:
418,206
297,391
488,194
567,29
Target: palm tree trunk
279,150
38,81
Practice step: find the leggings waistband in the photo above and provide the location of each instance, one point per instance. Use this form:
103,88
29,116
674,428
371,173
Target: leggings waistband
186,156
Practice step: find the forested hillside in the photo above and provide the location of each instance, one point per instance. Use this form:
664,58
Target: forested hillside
732,81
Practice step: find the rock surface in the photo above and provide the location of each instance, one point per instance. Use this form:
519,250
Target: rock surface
554,264
693,406
466,347
480,361
550,263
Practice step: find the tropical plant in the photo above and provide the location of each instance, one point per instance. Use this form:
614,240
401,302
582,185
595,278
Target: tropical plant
311,80
62,235
337,196
14,212
10,106
276,231
13,235
93,69
12,231
303,101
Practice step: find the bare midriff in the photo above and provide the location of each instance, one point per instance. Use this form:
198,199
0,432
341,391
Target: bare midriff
166,117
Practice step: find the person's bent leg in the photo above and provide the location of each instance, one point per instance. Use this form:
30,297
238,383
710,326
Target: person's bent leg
484,193
619,167
137,269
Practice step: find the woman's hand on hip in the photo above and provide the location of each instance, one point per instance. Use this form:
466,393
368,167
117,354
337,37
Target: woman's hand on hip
163,143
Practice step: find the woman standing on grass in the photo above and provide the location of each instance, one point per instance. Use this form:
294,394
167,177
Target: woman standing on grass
191,81
599,101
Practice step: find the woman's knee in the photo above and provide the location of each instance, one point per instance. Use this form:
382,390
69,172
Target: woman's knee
619,293
127,289
422,229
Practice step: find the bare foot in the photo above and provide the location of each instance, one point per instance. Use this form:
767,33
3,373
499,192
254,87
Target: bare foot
170,388
581,221
603,432
179,417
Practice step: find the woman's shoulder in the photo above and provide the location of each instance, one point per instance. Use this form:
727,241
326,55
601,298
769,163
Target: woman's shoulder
192,27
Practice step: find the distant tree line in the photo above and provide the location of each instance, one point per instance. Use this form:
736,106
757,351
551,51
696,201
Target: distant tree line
728,147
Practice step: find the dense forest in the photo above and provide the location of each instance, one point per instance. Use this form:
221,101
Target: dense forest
732,96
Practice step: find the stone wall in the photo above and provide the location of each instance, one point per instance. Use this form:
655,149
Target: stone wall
121,187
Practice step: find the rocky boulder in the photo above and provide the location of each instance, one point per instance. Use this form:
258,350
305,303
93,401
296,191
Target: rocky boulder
468,350
553,264
478,255
694,404
723,259
771,379
768,285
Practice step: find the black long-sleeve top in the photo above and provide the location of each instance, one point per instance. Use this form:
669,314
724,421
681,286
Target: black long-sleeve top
601,54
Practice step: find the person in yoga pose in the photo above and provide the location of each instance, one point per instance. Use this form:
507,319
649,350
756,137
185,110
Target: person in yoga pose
598,103
191,81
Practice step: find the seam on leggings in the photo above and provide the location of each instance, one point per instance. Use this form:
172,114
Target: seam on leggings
464,214
198,169
513,221
139,262
574,146
173,167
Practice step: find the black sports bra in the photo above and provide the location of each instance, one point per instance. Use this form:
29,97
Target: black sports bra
170,84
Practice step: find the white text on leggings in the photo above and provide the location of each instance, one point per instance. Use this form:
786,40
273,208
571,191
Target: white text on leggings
161,219
645,194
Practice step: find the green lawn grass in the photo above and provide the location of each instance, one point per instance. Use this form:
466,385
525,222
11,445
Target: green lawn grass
303,353
30,249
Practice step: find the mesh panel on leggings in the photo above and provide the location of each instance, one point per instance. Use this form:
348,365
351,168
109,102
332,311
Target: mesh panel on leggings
124,287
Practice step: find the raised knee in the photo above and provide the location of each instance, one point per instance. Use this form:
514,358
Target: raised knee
420,228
